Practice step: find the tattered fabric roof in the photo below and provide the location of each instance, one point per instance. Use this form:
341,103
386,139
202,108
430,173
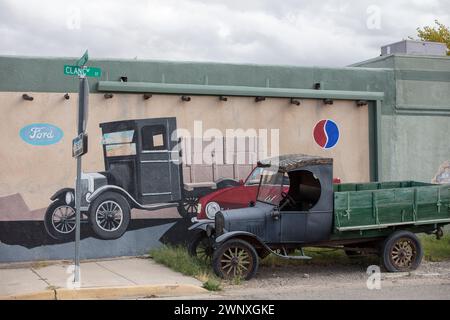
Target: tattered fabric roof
289,162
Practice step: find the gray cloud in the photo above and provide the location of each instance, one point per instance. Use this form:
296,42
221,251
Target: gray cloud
327,32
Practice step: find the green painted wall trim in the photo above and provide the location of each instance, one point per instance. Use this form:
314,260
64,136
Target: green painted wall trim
166,88
422,75
45,74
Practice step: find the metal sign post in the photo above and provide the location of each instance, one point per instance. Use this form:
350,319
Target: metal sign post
83,100
80,143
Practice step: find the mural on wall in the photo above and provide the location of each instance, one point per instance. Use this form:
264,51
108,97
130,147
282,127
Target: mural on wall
326,133
443,174
139,201
41,134
38,165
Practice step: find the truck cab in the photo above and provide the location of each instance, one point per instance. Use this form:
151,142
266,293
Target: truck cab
142,170
376,217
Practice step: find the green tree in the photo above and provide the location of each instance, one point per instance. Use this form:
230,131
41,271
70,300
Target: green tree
438,33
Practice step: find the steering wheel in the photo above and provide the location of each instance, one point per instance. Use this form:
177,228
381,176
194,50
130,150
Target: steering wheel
289,198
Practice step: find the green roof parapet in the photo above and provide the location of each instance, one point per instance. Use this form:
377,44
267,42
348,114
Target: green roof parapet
218,90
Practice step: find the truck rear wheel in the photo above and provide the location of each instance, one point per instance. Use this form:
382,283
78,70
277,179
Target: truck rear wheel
235,258
109,215
401,252
187,207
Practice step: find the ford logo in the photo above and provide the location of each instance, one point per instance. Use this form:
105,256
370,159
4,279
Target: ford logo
41,134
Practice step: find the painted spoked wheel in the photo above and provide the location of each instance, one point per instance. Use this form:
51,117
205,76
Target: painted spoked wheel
235,259
109,215
188,206
402,251
59,220
201,247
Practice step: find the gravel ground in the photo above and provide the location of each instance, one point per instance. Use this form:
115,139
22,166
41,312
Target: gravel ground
430,281
339,281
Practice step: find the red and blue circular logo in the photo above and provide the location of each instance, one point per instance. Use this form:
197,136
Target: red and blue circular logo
326,133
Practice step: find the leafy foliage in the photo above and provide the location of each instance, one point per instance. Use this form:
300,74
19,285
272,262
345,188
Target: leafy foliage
438,33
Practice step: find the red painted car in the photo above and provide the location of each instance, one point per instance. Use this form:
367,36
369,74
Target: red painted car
233,197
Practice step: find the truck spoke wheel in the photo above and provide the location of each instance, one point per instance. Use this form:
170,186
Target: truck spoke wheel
403,253
63,219
190,205
109,216
201,247
235,258
60,221
187,207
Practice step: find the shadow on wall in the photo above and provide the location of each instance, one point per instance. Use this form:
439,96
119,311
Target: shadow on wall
28,240
23,236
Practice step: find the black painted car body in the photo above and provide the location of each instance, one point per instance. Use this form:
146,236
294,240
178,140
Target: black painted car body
142,170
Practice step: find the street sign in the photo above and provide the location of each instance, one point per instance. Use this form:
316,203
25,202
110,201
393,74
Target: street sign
82,71
83,60
80,145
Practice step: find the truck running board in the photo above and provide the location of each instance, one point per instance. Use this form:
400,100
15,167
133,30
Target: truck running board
284,255
157,206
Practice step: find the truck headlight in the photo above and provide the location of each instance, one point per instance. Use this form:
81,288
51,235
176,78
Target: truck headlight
211,209
69,198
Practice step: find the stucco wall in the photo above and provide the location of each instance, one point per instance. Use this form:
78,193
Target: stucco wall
35,172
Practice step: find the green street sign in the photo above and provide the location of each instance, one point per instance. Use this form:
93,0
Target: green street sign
82,71
83,60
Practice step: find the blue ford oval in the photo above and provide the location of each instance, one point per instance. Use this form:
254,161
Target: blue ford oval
41,134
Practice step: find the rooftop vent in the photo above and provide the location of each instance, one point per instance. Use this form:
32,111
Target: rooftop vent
414,47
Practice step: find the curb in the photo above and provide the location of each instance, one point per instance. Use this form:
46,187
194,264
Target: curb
108,293
39,295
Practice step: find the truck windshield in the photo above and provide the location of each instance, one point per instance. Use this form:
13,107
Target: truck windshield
270,187
254,177
119,143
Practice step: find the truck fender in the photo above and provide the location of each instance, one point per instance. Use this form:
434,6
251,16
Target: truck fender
240,234
61,193
201,225
133,203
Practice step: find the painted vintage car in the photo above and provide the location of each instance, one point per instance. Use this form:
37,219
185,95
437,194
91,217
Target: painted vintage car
235,196
379,218
143,170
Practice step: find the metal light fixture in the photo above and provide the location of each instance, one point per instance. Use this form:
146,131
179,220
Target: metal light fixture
185,98
258,99
147,96
317,86
27,97
295,101
222,98
108,95
361,103
66,96
124,78
328,101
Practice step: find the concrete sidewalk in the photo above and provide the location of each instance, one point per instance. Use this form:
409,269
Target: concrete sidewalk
107,279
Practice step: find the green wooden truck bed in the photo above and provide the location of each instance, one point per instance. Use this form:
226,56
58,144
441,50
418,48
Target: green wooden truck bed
378,205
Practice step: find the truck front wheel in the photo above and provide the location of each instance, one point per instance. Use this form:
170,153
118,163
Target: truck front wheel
201,247
59,220
109,215
401,252
235,258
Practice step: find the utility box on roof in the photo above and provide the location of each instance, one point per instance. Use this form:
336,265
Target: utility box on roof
414,47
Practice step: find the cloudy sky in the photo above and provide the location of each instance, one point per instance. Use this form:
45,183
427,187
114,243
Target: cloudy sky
326,32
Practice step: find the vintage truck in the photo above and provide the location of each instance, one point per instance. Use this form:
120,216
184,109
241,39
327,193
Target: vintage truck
377,217
142,170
